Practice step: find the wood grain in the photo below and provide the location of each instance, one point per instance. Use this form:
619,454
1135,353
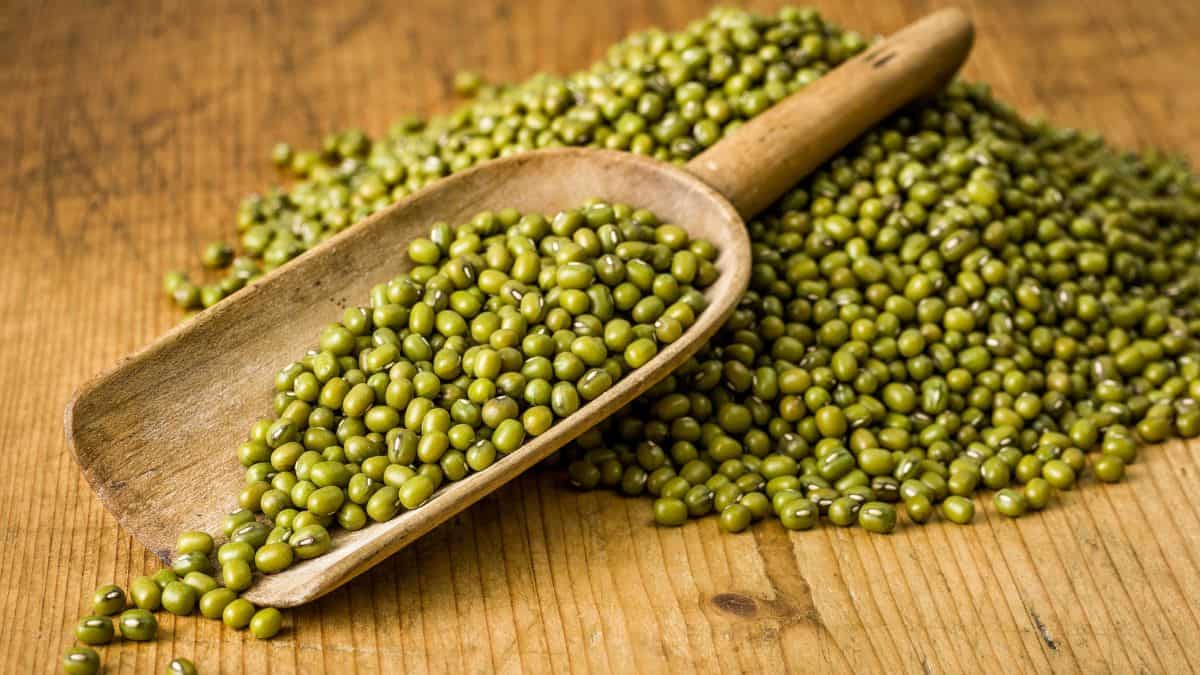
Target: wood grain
130,132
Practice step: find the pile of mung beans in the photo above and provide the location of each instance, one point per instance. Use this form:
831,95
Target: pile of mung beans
181,589
504,325
962,301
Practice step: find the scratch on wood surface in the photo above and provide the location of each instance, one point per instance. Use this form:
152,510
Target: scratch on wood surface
1043,632
736,604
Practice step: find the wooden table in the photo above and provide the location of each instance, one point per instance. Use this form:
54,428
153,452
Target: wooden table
131,130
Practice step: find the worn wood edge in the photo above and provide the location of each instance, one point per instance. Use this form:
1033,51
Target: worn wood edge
733,262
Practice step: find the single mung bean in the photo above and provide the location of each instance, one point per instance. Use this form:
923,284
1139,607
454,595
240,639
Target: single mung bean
236,550
237,575
181,666
1037,493
193,561
273,558
919,508
164,576
94,630
81,661
232,521
200,582
108,600
1109,468
310,541
799,514
266,623
1059,474
843,511
735,518
179,598
958,509
1011,502
670,511
214,602
877,517
238,613
138,625
145,593
194,542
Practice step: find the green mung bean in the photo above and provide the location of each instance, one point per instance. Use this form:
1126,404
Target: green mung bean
81,661
94,630
181,666
108,600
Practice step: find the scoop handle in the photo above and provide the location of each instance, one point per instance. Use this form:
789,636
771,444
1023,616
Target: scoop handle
767,155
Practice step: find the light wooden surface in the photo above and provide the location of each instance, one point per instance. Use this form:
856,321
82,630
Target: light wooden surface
130,131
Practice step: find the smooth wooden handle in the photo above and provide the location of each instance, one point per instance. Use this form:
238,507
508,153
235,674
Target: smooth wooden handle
764,158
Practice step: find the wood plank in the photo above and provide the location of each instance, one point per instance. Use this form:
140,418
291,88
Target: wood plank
131,132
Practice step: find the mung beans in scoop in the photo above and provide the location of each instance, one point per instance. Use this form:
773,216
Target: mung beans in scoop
506,325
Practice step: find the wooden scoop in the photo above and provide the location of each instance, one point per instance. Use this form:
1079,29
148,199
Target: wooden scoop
155,436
